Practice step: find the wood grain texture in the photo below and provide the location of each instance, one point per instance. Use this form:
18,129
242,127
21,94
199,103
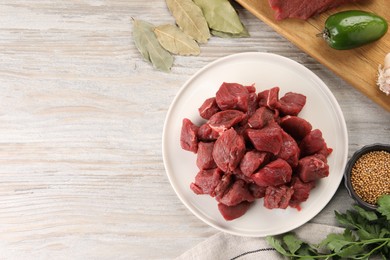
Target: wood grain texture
359,66
81,119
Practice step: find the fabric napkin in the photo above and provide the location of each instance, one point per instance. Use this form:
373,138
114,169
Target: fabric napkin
229,247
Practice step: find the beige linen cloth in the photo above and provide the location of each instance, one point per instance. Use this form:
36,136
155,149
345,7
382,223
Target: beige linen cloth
229,247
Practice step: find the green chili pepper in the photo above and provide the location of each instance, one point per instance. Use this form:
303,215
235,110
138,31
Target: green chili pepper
354,28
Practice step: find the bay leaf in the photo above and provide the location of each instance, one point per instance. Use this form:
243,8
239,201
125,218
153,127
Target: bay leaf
190,19
220,34
221,16
148,45
175,40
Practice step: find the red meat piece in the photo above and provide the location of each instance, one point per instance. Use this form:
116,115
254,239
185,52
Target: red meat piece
204,159
252,161
301,191
261,118
223,120
311,168
273,174
208,108
252,104
228,150
233,212
232,96
207,134
267,139
251,88
291,103
236,194
223,185
312,143
257,191
269,98
303,9
206,181
241,176
289,150
295,126
277,197
188,136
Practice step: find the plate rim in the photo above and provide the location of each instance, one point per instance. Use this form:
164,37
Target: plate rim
329,95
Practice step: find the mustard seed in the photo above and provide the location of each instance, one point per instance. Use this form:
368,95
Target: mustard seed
370,176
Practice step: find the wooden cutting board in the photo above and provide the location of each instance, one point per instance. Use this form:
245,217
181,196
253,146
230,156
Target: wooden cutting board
358,67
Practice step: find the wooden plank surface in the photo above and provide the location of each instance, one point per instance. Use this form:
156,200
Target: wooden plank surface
358,67
81,120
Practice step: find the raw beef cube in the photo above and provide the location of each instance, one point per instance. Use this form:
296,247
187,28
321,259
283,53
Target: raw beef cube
228,150
257,191
238,174
252,104
295,126
233,212
274,173
188,136
232,96
301,191
289,150
236,194
312,143
206,181
252,161
311,168
204,159
277,197
251,88
291,103
324,151
226,119
207,134
267,139
269,98
208,108
261,118
223,185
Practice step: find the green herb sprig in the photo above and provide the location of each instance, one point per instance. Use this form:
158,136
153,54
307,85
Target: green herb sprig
367,233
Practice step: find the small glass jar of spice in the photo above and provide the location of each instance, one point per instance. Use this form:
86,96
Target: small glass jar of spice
367,174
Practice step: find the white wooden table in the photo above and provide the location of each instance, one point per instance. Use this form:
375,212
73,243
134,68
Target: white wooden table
81,119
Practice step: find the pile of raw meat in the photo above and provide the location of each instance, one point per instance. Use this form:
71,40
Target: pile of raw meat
252,146
303,9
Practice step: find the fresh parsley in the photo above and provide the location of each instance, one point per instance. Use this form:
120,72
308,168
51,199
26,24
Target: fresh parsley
367,233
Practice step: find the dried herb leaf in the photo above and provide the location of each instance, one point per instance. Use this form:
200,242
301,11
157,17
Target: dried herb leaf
190,19
175,40
242,34
148,45
221,16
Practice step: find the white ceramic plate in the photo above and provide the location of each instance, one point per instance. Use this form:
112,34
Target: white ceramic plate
265,71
